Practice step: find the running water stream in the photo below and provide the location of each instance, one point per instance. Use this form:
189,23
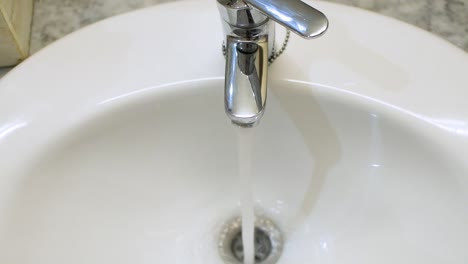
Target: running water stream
245,145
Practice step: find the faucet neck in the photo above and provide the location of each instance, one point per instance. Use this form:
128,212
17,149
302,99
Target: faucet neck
249,41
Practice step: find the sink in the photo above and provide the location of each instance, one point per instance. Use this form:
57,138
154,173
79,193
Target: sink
115,146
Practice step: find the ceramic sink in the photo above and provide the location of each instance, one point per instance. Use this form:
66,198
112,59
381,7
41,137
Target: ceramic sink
115,148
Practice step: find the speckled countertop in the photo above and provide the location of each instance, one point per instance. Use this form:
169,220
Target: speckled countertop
55,18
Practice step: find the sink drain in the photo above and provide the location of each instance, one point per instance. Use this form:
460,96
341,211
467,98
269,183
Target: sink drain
262,246
268,242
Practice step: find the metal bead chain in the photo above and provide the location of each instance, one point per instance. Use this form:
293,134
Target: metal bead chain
275,55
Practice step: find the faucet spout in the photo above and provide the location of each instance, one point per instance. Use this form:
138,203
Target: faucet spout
246,78
250,36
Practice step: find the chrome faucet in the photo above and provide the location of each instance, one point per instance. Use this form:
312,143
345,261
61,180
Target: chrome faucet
250,36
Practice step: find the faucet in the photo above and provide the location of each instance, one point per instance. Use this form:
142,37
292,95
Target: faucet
250,36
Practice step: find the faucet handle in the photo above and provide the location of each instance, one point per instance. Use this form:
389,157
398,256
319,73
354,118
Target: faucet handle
295,15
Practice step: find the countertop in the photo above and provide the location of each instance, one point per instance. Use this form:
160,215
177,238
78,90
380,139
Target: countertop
54,19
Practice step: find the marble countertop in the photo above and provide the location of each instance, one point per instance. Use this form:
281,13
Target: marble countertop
54,19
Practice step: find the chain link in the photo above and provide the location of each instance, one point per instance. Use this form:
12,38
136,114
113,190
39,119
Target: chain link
275,55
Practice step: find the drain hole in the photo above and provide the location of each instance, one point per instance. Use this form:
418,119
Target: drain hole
268,242
262,246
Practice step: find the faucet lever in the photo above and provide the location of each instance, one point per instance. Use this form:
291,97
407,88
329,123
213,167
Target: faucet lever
295,15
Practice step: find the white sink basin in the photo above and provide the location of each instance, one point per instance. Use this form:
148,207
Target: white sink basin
115,147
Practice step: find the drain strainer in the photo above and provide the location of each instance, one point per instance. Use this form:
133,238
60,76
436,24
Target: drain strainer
268,242
262,246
